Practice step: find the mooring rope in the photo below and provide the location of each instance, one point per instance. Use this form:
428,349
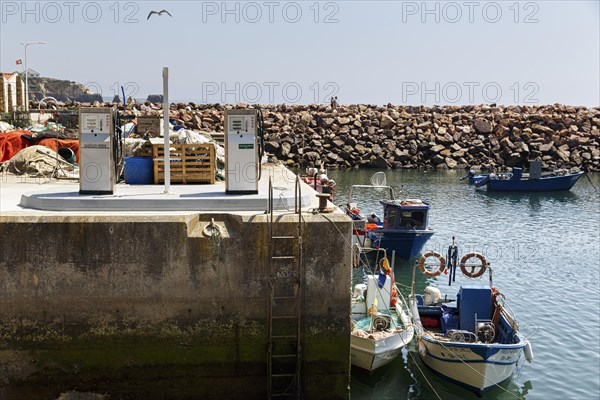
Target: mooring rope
591,183
403,299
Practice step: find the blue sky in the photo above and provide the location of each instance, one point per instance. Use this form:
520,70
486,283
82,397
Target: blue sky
403,52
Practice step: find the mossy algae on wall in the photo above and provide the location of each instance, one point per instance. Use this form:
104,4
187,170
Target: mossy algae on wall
149,307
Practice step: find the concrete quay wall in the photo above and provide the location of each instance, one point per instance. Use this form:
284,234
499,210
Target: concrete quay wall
149,307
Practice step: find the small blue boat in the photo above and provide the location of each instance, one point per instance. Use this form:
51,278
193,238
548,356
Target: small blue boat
517,181
403,229
473,178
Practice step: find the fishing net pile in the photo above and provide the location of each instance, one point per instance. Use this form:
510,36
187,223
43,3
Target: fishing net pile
38,161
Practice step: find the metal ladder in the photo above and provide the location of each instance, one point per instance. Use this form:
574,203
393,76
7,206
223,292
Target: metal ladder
285,286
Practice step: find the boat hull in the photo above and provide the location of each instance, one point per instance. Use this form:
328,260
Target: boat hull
477,367
369,354
370,350
553,183
406,244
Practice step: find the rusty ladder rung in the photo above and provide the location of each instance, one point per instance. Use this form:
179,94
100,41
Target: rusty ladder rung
283,336
284,355
283,375
284,297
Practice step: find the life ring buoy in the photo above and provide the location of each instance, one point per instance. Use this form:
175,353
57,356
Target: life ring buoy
425,256
476,271
422,347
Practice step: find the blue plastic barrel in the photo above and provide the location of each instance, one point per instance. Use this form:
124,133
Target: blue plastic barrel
139,171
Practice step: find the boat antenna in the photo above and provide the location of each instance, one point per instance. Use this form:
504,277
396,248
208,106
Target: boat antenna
452,261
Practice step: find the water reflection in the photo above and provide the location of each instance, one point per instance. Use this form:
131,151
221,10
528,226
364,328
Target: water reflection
535,200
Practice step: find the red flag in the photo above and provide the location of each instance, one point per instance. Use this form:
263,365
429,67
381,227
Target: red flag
19,62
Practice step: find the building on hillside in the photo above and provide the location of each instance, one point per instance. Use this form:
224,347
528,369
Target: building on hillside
32,73
12,92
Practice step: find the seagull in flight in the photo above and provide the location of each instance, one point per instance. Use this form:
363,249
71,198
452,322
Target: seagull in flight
159,13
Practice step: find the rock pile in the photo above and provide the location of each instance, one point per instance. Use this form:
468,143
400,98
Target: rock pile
486,137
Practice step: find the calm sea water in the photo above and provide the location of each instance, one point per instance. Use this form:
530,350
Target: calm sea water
544,250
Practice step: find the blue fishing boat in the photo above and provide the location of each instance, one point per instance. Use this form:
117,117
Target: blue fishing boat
404,228
473,177
517,181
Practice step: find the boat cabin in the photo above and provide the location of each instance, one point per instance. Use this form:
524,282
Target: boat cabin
474,316
405,214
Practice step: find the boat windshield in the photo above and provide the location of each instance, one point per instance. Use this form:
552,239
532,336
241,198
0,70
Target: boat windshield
412,218
390,217
405,219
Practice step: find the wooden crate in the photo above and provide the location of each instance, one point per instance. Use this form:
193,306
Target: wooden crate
146,150
190,163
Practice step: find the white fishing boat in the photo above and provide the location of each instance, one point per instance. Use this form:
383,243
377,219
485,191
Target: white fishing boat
381,324
473,340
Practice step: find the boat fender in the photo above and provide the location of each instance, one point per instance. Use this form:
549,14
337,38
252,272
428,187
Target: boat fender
373,309
359,290
441,260
384,265
422,347
356,256
432,296
475,270
528,350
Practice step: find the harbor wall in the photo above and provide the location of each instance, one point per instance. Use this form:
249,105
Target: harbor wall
149,307
444,137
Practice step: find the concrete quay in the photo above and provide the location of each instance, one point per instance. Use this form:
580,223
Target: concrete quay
127,294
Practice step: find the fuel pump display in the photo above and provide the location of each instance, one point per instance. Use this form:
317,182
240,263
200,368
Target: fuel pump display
242,151
96,132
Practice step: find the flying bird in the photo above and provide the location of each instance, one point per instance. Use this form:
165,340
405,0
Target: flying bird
159,13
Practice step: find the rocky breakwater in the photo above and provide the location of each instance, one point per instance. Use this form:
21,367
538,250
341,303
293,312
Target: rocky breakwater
438,137
452,137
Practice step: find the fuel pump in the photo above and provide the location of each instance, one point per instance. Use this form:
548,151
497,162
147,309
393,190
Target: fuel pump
244,147
97,150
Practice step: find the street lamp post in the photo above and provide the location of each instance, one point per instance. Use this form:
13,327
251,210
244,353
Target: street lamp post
27,74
